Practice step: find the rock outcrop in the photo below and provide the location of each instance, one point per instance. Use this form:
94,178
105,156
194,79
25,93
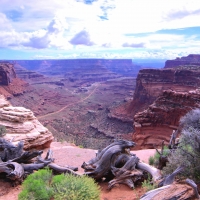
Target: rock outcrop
21,124
10,85
7,73
150,83
192,59
157,122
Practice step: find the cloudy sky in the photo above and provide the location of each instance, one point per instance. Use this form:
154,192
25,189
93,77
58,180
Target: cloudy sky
41,29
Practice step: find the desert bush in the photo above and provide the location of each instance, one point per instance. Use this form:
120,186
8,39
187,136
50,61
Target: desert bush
74,188
191,120
42,185
2,131
37,186
188,152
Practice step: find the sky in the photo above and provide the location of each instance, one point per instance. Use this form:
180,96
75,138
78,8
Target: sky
62,29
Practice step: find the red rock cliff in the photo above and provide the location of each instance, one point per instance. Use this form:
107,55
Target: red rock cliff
150,83
157,122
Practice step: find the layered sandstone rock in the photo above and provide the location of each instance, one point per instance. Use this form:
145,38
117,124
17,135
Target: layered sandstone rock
192,59
150,83
21,124
157,122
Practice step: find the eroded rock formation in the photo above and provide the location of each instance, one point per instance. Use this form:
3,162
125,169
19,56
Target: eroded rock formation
21,124
7,73
10,85
157,122
151,83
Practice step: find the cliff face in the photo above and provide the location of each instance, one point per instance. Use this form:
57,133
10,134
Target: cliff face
10,85
7,73
150,83
21,124
157,122
192,59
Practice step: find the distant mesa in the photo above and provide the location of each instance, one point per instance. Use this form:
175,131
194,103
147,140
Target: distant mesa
192,59
53,67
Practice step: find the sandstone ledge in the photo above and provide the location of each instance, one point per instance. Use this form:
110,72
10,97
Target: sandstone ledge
21,124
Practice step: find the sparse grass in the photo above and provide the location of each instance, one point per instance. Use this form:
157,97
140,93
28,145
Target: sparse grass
148,185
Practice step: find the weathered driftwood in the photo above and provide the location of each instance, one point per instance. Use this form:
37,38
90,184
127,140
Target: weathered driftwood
14,171
101,166
127,174
155,173
169,179
15,163
8,151
59,170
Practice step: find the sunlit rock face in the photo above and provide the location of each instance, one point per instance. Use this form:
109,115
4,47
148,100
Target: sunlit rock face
22,125
157,122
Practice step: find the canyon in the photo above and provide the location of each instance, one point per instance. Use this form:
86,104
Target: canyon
79,103
90,102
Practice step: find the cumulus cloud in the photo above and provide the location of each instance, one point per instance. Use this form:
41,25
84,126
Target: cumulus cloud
55,29
82,38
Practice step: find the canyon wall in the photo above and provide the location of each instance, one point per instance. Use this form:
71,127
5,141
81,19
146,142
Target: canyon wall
150,83
162,96
10,85
157,122
22,125
7,73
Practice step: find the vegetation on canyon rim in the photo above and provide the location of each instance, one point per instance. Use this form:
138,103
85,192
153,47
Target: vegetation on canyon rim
187,153
42,185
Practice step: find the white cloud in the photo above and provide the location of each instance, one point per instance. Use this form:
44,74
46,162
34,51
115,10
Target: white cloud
102,25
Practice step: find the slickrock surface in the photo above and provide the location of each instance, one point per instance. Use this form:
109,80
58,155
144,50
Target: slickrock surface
157,122
21,124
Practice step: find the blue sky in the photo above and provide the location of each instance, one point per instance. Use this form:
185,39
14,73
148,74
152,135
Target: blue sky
157,29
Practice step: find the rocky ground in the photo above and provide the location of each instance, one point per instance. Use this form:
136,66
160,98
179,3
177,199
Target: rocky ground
68,154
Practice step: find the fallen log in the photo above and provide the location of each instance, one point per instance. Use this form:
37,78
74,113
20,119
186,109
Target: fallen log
155,173
102,165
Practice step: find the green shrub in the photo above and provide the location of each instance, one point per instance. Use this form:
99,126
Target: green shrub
74,188
43,186
37,186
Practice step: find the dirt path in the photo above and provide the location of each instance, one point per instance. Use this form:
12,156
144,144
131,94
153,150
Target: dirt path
81,100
